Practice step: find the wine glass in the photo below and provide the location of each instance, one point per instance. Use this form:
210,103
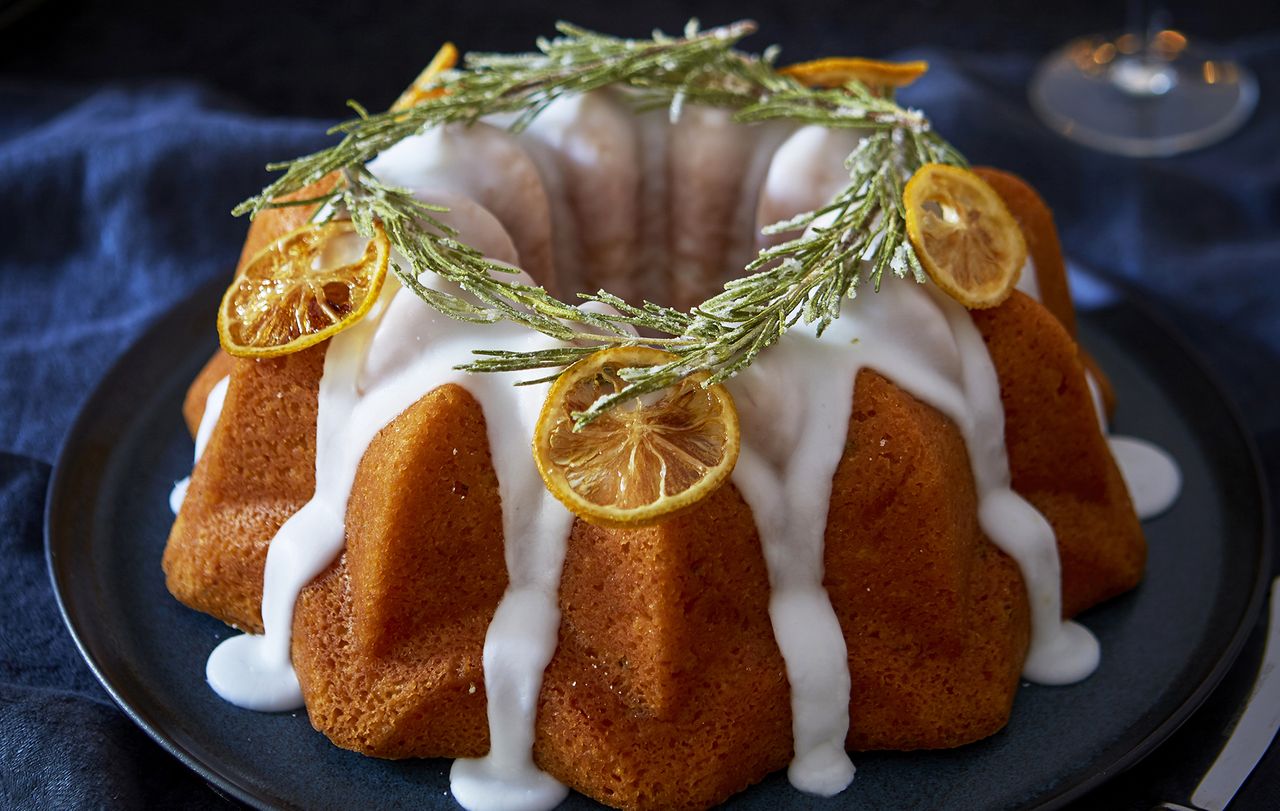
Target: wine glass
1148,92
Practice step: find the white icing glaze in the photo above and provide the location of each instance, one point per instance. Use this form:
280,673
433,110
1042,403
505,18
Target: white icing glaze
795,405
212,410
1060,652
466,216
179,494
790,420
343,249
1095,396
255,671
1150,473
766,139
415,350
653,132
707,154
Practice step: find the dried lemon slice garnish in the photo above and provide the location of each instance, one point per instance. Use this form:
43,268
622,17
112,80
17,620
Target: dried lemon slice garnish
422,88
643,460
308,285
837,71
963,234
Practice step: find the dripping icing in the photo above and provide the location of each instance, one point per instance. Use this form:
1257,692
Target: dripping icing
212,411
373,371
366,384
402,350
792,445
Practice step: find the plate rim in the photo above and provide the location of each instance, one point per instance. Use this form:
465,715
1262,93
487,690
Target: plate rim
1132,296
1060,797
58,482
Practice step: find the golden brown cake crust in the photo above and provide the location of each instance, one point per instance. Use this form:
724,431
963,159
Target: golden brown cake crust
934,616
1058,455
259,466
257,470
218,367
388,643
273,223
1036,221
667,689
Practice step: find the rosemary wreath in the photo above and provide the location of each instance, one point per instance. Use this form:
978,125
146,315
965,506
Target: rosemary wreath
849,242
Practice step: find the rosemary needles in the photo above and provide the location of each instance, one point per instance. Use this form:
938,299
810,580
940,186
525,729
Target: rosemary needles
851,241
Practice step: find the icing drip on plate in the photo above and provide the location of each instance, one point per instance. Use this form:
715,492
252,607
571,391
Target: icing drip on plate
1150,473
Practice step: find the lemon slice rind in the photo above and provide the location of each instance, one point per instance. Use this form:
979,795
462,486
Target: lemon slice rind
964,235
266,293
611,449
422,87
837,71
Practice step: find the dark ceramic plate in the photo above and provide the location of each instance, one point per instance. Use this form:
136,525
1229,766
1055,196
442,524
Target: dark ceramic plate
1165,646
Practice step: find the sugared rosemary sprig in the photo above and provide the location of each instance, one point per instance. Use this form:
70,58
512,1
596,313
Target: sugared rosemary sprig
855,238
431,246
852,240
701,66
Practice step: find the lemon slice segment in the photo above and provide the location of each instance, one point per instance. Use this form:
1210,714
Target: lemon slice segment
964,235
308,285
838,71
644,460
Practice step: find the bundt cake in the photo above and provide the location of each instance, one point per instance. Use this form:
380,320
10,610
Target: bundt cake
878,574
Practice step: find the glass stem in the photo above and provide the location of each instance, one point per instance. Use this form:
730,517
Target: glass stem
1145,74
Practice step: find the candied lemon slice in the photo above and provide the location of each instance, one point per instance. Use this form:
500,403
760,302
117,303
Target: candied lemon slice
964,235
837,71
308,285
421,89
643,460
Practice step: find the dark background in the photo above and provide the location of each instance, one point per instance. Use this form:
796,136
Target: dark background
293,57
1198,236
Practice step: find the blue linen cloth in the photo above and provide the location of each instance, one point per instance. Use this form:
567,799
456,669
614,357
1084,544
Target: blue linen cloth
114,204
